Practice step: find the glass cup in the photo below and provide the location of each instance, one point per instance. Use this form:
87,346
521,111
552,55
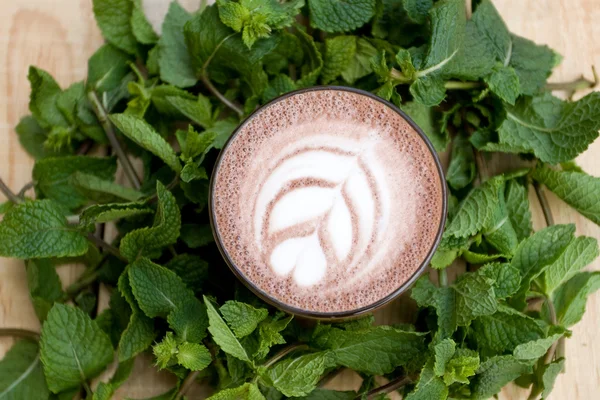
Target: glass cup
339,315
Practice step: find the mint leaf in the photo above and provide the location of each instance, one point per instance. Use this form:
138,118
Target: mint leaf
163,232
536,348
73,348
461,367
429,386
443,352
192,270
191,171
555,131
461,170
340,16
101,190
199,111
578,254
269,334
21,374
476,210
165,351
112,17
570,298
496,372
104,391
98,214
140,26
242,318
222,335
106,68
194,144
339,53
498,231
504,83
517,206
39,229
417,10
195,236
324,394
193,356
257,18
145,136
43,99
173,58
504,330
377,350
312,62
424,117
549,376
32,138
298,376
139,333
161,293
45,286
577,189
532,63
247,391
507,279
53,177
360,65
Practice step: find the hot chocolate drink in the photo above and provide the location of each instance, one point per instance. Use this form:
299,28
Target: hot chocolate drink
327,201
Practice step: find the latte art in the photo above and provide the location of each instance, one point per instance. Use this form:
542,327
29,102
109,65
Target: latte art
327,201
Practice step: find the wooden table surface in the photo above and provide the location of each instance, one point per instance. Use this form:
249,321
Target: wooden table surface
60,35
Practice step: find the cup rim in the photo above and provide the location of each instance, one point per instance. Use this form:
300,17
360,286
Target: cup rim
334,315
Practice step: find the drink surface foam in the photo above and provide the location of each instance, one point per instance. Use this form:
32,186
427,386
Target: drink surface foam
327,200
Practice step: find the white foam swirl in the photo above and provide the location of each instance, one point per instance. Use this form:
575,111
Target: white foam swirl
323,204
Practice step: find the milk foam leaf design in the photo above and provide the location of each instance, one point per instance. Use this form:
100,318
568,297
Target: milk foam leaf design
101,213
161,293
101,190
113,19
164,231
377,350
337,16
139,332
242,318
45,286
298,376
174,61
519,212
576,188
496,372
429,386
571,297
553,130
53,177
578,254
476,210
145,136
39,229
73,348
504,330
247,391
21,374
222,334
507,278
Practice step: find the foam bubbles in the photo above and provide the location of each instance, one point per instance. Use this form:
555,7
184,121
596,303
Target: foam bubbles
328,200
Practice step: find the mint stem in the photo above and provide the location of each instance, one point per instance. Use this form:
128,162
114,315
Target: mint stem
220,96
102,116
105,246
187,384
285,352
9,193
458,85
578,84
541,195
387,388
22,333
24,190
443,277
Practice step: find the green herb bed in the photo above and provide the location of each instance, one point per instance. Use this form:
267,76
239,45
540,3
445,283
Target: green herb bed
172,101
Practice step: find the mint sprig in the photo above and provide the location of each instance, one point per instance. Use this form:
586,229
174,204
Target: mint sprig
164,105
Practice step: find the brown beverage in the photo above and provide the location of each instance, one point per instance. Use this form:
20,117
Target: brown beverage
328,202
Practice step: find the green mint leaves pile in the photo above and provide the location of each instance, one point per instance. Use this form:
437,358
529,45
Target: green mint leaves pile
132,148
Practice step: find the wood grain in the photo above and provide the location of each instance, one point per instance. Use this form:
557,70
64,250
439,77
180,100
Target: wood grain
60,35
